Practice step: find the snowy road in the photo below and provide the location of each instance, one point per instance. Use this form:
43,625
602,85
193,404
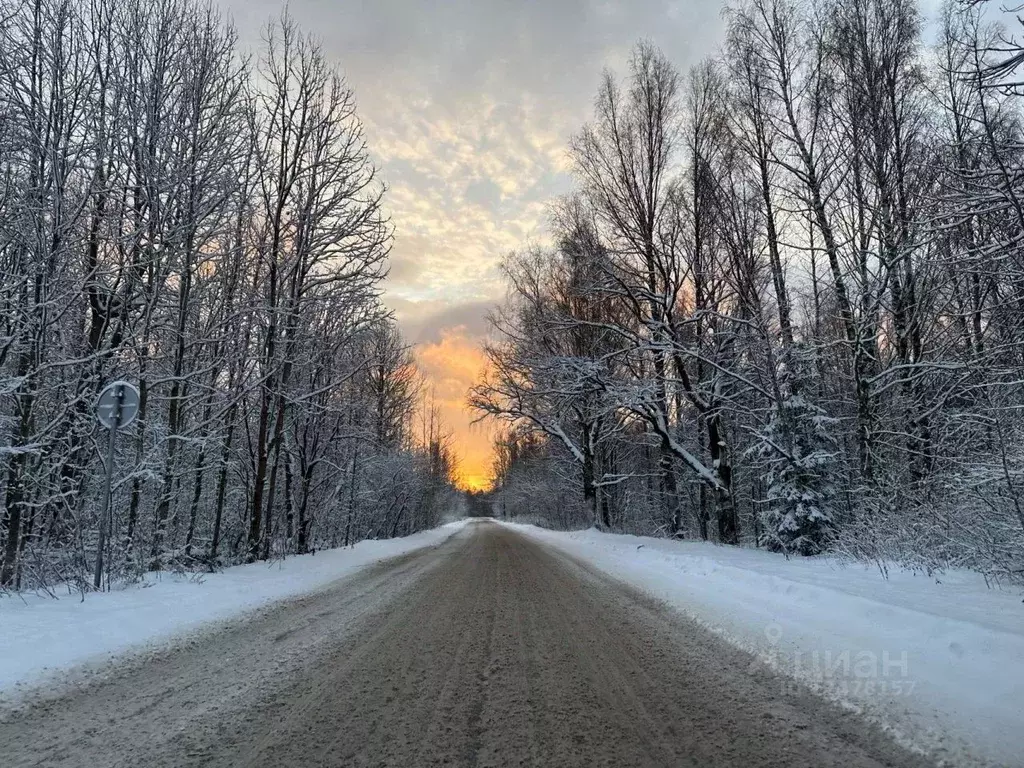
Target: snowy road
490,650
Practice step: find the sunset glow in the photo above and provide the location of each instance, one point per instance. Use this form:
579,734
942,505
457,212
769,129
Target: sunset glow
451,366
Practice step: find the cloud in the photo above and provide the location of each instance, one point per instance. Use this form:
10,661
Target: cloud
485,194
426,321
469,105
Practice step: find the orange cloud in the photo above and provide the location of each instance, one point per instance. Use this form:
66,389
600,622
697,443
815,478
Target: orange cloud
450,367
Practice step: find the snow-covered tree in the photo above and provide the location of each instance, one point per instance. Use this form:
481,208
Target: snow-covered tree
215,235
800,454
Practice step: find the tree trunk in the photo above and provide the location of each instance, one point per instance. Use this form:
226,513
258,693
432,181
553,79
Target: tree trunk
728,524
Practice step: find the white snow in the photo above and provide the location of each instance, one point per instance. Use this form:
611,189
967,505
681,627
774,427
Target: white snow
41,637
939,661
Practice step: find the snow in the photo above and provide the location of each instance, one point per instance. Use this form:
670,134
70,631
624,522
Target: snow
41,637
938,661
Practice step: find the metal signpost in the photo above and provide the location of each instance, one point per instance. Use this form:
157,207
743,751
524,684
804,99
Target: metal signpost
116,407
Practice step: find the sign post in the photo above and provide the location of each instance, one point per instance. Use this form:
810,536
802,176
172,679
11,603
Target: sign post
116,407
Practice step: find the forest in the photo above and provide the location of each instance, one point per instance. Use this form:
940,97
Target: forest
207,223
783,305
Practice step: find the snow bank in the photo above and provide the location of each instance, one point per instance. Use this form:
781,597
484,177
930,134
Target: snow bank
938,660
40,636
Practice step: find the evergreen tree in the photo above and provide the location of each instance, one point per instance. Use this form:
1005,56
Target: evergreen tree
800,453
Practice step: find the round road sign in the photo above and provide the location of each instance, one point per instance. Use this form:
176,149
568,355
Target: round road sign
118,405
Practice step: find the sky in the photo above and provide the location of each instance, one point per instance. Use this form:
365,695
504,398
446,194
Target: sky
468,107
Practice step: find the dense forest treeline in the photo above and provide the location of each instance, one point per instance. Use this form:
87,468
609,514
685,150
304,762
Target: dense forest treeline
209,226
785,301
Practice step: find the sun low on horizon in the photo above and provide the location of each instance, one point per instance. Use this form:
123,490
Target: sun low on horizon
468,109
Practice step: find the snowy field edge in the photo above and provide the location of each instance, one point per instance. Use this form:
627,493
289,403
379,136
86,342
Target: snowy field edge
42,638
937,661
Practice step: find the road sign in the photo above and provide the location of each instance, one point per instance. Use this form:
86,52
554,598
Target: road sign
118,405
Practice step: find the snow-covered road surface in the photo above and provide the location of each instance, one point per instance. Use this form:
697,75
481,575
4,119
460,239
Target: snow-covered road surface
489,650
939,660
